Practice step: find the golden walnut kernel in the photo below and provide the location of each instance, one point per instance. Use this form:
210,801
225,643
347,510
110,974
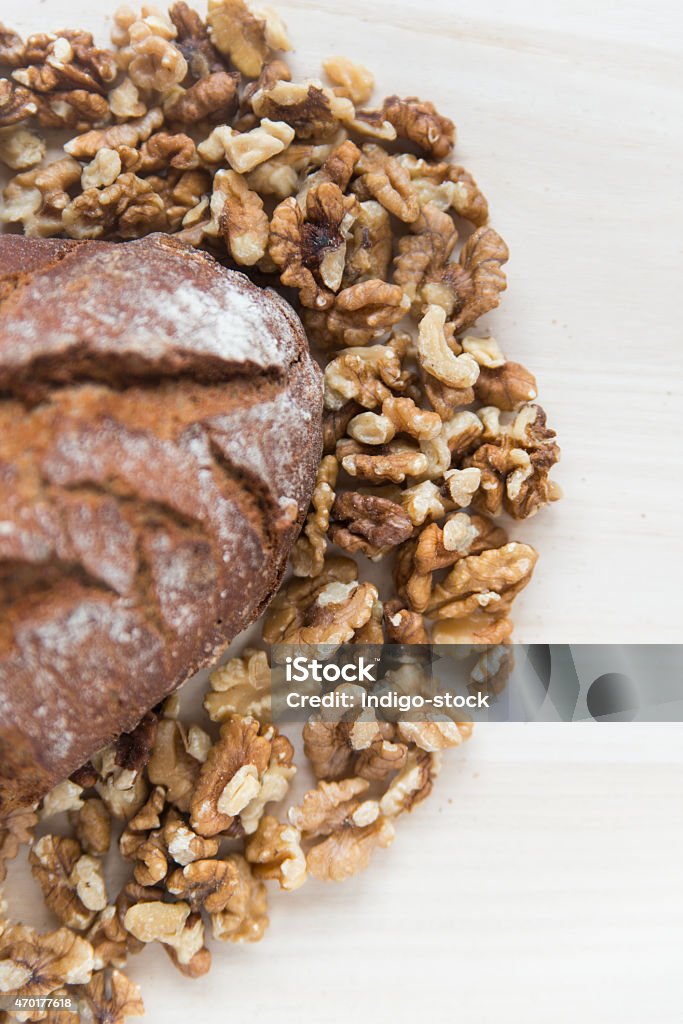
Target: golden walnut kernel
448,187
146,849
368,523
112,1000
122,791
432,734
423,502
102,170
274,782
12,48
246,150
241,686
336,613
21,148
239,218
327,747
213,98
68,61
398,416
349,829
507,387
16,829
337,169
131,134
174,925
391,462
359,314
274,851
332,746
128,208
77,110
486,351
403,626
72,882
380,760
230,777
163,150
313,111
34,964
435,356
189,953
239,35
156,63
309,246
381,177
16,104
279,176
423,251
350,80
366,375
92,825
245,917
420,122
369,248
125,102
288,608
412,785
37,199
183,844
438,548
156,921
335,422
489,582
172,765
308,553
207,884
472,286
110,941
515,461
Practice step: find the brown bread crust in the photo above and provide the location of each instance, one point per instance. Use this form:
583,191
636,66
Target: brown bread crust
160,428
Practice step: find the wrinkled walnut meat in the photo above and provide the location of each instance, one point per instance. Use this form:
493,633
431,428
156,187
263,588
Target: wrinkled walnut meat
332,611
238,218
347,829
363,522
72,882
472,286
274,851
514,462
230,778
309,551
240,687
195,126
15,830
33,964
309,246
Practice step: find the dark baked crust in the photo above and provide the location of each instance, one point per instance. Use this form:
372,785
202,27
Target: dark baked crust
159,435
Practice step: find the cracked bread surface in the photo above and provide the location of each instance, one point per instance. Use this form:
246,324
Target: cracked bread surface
160,428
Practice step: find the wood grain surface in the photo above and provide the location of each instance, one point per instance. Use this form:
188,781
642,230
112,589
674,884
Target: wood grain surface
542,882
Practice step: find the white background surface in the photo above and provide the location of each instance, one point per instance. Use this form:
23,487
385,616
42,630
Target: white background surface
543,880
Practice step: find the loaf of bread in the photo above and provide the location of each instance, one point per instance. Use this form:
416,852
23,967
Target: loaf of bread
159,435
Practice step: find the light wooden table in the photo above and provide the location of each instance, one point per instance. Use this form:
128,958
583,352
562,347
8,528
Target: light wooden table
543,881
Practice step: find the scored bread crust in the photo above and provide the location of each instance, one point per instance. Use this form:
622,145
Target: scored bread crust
160,429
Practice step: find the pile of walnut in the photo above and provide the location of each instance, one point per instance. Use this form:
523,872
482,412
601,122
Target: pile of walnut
190,813
195,128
